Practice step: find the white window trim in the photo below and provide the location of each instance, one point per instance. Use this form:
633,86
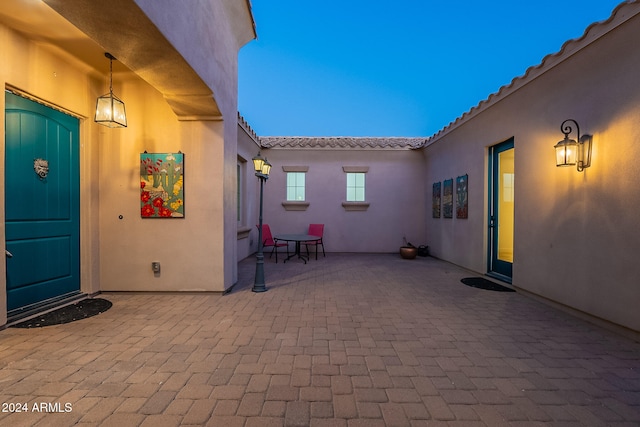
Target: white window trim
355,206
355,169
295,205
295,168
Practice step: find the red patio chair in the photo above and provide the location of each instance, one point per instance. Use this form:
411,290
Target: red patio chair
315,230
268,240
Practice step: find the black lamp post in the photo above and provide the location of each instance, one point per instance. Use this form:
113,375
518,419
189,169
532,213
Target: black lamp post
262,168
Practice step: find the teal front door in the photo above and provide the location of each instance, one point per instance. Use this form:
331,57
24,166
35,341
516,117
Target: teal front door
501,209
42,204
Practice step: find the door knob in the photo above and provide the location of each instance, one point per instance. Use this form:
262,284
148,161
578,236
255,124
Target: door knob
8,254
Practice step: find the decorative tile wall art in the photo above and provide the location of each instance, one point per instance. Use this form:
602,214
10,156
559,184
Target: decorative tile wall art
162,185
447,198
462,199
437,199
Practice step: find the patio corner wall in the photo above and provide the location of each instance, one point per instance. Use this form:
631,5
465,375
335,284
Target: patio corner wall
248,192
117,246
576,233
394,192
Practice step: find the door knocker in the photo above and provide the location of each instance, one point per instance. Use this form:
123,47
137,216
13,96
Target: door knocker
41,167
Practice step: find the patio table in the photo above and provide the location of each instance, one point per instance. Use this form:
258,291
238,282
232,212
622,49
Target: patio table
298,239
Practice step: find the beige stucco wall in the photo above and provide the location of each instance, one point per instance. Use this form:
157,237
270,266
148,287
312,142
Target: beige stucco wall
247,234
189,249
208,37
219,27
116,254
62,81
576,234
198,252
394,189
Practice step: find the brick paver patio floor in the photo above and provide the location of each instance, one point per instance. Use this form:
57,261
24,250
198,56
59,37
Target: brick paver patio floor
348,340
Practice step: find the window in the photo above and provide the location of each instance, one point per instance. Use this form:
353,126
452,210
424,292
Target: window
241,197
239,190
355,187
295,186
507,186
295,192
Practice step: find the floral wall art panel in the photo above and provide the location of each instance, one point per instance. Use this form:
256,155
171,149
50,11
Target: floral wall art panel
162,185
462,199
447,198
437,196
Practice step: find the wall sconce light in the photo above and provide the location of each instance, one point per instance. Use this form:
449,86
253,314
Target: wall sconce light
570,152
109,108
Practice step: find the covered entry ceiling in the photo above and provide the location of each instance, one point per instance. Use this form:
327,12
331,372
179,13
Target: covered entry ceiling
85,29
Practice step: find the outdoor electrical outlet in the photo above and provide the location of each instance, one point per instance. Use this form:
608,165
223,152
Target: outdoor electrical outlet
155,266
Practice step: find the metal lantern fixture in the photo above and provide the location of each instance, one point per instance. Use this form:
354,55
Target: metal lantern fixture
109,108
571,152
262,168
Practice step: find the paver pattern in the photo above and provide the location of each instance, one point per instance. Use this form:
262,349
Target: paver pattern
349,340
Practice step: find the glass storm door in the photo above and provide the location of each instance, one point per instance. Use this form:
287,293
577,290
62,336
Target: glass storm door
42,204
501,209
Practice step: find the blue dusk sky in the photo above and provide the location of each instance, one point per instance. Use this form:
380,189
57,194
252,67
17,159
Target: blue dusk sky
393,68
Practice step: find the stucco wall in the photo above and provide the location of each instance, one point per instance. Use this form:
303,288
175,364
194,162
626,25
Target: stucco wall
197,252
65,83
208,37
395,189
576,234
221,27
247,234
116,254
189,249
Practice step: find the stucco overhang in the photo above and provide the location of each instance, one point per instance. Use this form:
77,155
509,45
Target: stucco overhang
85,29
122,28
237,11
381,143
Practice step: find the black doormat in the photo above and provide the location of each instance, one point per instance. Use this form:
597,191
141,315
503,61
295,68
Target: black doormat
80,310
482,283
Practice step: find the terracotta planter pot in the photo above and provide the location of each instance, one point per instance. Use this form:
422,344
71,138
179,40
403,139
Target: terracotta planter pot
408,252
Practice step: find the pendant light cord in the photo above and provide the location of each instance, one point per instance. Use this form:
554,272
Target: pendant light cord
110,74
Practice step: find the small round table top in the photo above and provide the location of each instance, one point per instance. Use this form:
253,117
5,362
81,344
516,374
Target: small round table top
296,237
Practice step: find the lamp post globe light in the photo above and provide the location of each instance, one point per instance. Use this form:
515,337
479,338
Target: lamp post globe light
262,168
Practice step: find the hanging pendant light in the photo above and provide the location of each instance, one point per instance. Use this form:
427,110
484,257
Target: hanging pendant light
109,108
